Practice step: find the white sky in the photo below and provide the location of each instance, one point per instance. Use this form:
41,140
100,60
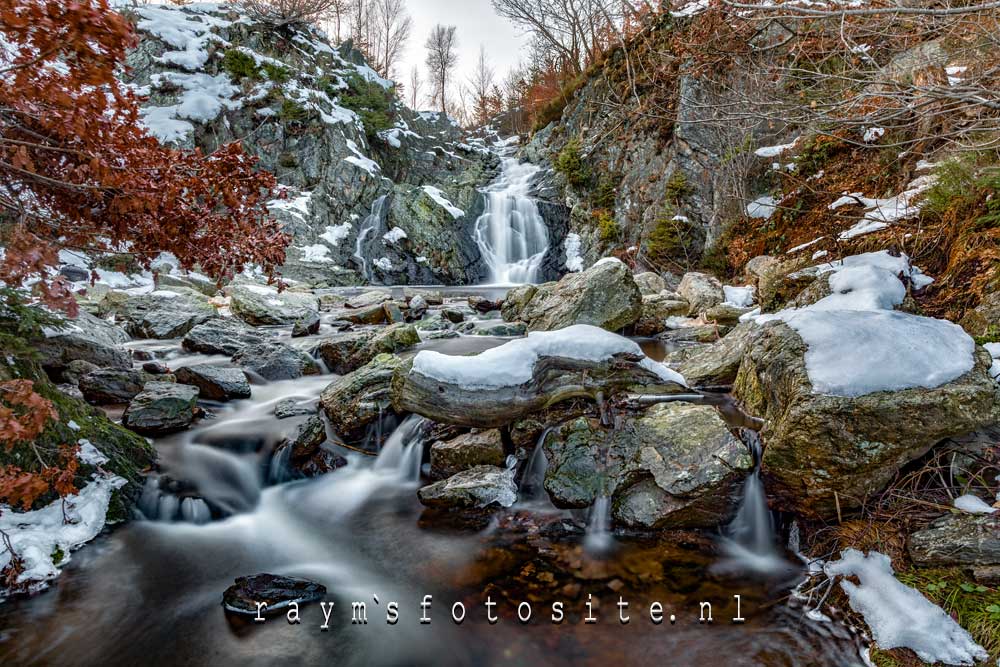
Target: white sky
476,24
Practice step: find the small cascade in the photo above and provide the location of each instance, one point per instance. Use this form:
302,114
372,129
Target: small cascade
229,482
749,541
510,233
368,225
598,537
159,505
403,451
532,487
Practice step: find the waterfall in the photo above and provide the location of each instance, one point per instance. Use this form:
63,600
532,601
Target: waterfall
510,233
368,225
403,451
532,488
598,536
750,543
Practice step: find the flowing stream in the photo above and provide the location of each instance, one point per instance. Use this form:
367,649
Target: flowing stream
510,233
150,591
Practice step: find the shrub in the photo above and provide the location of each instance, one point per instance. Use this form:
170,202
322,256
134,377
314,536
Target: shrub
292,111
240,65
286,12
605,191
673,239
607,227
677,187
276,73
372,102
569,162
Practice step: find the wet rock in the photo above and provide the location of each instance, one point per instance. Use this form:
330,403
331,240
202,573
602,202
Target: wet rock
432,297
481,304
258,305
74,274
418,306
222,335
818,444
343,353
958,539
320,462
77,369
650,283
515,301
156,368
573,478
85,338
452,315
308,437
215,383
604,295
701,291
191,281
699,333
718,363
372,314
161,408
112,386
474,488
502,329
306,326
724,313
369,298
656,308
277,591
354,401
328,302
272,360
164,314
466,451
290,407
393,313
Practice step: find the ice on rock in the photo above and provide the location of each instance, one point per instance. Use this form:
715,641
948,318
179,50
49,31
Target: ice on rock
900,616
973,505
512,363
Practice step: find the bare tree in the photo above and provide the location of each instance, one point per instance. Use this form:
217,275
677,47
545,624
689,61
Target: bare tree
415,85
442,56
335,19
391,27
482,82
286,12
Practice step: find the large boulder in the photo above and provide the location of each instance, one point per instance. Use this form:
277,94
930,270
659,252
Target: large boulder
354,401
164,314
215,383
604,295
781,281
466,451
701,291
474,488
958,539
259,305
83,338
161,408
193,281
718,363
650,283
656,308
108,386
821,449
222,335
346,352
273,360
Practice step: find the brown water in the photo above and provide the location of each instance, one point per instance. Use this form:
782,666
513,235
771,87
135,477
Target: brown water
150,591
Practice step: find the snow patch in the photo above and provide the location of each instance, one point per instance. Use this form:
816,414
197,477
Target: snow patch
762,207
774,151
973,505
394,235
572,245
741,297
334,234
438,196
383,263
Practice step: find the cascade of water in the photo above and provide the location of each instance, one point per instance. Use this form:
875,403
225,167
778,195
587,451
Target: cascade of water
403,451
510,233
598,536
368,225
750,541
532,487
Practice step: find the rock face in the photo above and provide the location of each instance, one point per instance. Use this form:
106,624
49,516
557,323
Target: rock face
474,488
166,314
356,400
958,539
466,451
604,295
86,338
111,386
161,407
275,590
215,383
272,360
701,291
816,445
222,335
259,305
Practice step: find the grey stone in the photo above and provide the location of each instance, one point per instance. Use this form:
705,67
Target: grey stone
215,383
161,408
475,488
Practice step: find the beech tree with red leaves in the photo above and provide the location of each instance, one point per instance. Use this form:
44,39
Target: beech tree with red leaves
79,171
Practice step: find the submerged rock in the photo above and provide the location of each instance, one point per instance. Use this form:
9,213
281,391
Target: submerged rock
466,451
222,335
474,488
215,383
161,407
604,295
818,445
259,305
958,539
276,591
275,361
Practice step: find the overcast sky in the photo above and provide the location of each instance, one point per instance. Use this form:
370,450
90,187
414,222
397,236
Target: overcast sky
476,24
